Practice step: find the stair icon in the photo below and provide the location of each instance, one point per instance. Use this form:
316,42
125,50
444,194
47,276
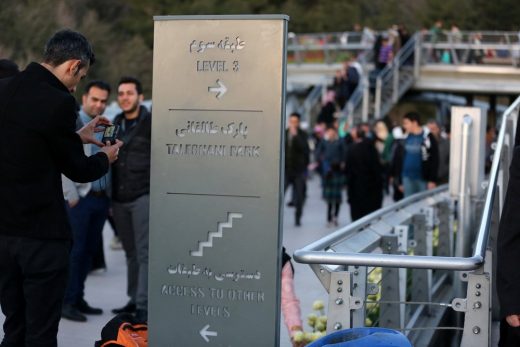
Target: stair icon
213,234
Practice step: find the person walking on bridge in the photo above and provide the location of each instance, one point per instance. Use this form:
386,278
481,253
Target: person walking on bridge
296,162
421,157
364,176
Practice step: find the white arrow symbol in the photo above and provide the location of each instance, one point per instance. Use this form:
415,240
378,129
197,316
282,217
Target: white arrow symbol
220,90
205,333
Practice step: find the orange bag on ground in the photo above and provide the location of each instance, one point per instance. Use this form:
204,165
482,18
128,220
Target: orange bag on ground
123,331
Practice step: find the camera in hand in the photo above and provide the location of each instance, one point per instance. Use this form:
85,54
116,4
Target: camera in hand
110,134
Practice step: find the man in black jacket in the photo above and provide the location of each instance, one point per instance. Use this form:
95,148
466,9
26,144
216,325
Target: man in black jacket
131,192
508,256
38,143
296,162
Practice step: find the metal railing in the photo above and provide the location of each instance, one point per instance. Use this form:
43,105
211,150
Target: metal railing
357,106
326,47
379,229
395,79
316,253
465,47
471,47
490,48
311,104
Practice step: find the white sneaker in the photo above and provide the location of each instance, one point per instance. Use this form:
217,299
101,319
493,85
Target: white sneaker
115,244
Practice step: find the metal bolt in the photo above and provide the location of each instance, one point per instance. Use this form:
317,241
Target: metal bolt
355,285
477,305
356,273
339,301
476,330
337,326
340,282
477,293
340,289
477,285
356,267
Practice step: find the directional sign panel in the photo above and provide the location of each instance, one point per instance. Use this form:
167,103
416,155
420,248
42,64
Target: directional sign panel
215,240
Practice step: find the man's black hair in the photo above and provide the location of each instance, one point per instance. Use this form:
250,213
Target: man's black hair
360,132
8,68
434,121
296,114
99,84
66,45
413,117
129,79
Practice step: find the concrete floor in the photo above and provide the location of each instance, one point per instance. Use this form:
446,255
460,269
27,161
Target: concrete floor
106,289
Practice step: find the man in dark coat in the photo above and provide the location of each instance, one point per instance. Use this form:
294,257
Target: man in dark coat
38,143
296,162
131,192
508,257
364,176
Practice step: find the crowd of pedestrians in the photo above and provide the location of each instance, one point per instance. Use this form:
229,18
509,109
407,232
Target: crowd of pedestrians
366,162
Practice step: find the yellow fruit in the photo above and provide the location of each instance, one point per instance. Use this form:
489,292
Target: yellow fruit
298,336
318,305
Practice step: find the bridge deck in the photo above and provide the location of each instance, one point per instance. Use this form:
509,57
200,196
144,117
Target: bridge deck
479,79
469,78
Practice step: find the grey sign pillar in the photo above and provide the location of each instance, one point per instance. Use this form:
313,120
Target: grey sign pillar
216,186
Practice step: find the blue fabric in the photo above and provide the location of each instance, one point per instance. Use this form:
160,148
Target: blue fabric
101,183
412,186
87,219
412,164
363,337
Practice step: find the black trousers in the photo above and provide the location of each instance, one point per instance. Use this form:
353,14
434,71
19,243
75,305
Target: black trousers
509,336
298,182
332,210
33,276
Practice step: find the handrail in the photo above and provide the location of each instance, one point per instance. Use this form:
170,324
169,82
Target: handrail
357,96
315,252
312,98
387,73
486,36
483,233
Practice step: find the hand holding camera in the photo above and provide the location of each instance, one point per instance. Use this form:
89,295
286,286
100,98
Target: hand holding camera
87,133
112,151
110,134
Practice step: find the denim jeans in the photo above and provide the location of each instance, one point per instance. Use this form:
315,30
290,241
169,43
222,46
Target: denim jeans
87,219
413,185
